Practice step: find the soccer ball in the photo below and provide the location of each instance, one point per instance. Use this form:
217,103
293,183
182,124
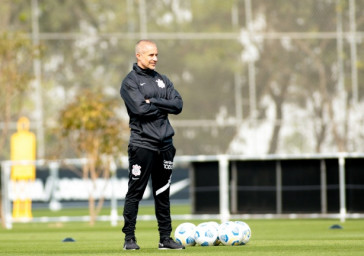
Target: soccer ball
184,234
230,233
246,233
215,225
206,234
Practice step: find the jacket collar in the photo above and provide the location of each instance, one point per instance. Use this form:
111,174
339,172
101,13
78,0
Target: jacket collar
145,72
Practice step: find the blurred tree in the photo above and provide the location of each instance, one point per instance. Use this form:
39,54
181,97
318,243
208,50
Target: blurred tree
15,16
77,56
90,44
15,76
93,129
202,69
320,80
298,72
15,70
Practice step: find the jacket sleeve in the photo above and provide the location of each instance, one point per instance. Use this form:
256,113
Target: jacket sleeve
135,101
173,104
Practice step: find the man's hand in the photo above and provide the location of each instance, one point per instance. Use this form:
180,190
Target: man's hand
147,101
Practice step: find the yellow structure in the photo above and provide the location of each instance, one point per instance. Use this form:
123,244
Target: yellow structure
23,147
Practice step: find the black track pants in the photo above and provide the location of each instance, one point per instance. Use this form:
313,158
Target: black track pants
144,163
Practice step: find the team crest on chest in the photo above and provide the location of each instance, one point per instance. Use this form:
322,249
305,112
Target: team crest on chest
160,83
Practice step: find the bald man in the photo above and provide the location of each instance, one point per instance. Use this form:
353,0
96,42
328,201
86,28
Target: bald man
149,98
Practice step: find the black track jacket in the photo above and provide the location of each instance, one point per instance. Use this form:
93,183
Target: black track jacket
149,124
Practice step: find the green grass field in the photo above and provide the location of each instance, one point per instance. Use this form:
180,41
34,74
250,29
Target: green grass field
269,237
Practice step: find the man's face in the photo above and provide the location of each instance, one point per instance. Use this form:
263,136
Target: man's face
147,56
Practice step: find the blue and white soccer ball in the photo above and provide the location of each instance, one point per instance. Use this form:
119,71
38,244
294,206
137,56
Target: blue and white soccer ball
216,225
230,233
206,234
184,234
246,232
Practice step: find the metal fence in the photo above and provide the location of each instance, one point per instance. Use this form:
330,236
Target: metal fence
224,195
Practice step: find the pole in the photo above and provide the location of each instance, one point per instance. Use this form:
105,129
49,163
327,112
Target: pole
353,53
143,19
5,199
323,187
278,187
342,188
340,55
114,202
234,187
251,65
37,81
54,204
224,188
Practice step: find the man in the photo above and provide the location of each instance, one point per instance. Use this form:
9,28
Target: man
149,97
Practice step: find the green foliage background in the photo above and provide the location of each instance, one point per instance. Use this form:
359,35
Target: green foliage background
297,105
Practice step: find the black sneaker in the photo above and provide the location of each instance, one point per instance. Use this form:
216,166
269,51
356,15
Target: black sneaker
131,244
169,244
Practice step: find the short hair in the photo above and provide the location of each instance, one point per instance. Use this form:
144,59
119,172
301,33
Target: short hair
137,46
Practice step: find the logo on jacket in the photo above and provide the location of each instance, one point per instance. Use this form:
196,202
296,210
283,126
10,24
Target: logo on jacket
136,170
160,83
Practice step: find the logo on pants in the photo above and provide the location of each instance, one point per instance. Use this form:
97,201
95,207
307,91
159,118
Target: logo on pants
136,170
